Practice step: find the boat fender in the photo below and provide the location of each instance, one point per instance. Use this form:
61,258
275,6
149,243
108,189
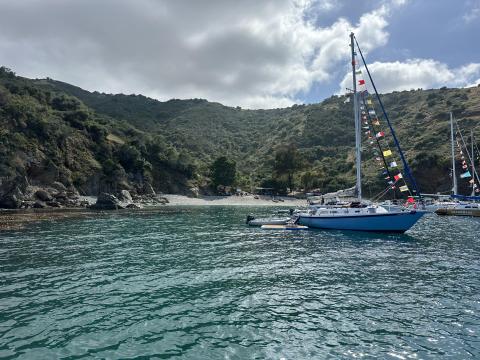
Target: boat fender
249,218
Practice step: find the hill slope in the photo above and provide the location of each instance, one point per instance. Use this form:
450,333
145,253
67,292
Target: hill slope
48,135
53,131
322,132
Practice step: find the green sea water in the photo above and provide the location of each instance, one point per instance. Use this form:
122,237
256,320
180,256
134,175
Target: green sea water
197,283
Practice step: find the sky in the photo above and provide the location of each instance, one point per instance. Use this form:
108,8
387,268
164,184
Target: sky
248,53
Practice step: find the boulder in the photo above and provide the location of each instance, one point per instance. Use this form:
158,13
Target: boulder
133,206
84,203
125,196
194,191
61,196
39,205
107,201
10,201
43,195
59,186
11,192
148,189
53,204
162,200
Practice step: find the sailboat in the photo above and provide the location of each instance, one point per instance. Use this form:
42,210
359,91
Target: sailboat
468,205
358,215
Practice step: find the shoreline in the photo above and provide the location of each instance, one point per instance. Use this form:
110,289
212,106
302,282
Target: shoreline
248,200
17,219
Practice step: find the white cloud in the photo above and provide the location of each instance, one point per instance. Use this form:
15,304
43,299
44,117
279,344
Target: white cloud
249,53
473,11
416,73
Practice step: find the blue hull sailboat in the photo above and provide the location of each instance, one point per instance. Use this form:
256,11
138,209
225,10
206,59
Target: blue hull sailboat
378,220
358,216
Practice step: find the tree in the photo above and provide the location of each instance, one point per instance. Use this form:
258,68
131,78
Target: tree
223,171
287,162
130,158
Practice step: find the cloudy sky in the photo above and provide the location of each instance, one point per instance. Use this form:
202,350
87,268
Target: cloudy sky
251,53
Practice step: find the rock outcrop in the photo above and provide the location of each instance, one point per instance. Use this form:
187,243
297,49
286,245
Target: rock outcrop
107,201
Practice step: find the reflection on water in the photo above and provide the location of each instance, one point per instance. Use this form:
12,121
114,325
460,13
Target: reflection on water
197,283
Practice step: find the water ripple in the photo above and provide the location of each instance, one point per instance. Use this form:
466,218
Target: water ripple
196,283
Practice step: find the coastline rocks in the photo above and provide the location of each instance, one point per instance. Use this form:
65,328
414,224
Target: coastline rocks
125,196
133,206
107,201
148,189
59,186
11,192
19,193
39,205
150,200
162,200
54,204
10,201
43,195
194,191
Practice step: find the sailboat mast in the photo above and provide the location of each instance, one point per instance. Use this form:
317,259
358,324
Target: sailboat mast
357,123
473,164
454,174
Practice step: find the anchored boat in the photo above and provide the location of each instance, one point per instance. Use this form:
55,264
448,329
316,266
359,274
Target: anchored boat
469,205
357,215
460,210
266,221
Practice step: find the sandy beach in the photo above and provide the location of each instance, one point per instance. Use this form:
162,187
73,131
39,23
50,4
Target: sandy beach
249,200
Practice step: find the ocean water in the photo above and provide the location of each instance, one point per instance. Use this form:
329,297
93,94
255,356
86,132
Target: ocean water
197,283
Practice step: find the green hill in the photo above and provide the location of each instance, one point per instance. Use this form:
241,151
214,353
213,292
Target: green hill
48,135
53,131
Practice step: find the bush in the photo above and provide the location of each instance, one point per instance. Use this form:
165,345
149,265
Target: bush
130,158
65,103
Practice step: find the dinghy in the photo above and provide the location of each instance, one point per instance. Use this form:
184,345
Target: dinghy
285,227
267,221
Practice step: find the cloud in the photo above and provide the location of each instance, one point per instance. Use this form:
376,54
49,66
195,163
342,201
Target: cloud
417,73
473,11
249,53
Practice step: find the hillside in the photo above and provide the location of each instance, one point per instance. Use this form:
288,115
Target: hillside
322,132
49,136
92,142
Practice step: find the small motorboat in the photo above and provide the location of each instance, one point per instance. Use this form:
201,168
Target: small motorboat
252,221
288,226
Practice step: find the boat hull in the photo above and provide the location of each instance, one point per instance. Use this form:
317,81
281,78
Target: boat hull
284,227
260,222
458,212
389,222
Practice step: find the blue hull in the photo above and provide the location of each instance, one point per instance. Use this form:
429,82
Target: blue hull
390,222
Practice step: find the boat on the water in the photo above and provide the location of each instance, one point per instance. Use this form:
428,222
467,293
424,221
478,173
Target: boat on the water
268,221
467,209
370,218
358,215
462,205
288,226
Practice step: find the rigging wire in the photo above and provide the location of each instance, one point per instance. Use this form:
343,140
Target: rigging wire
475,174
383,192
405,165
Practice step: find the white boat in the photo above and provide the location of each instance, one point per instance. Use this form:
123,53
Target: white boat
274,220
357,216
288,226
434,206
461,209
464,205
